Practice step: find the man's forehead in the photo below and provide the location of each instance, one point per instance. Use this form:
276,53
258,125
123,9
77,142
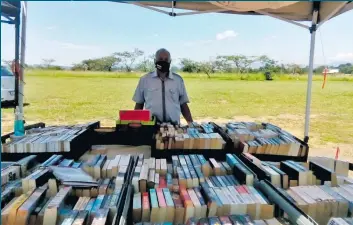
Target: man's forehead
163,55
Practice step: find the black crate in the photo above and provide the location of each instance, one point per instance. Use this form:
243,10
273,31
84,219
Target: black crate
273,158
218,154
78,147
124,135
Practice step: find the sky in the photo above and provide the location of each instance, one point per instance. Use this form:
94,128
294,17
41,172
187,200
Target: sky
70,32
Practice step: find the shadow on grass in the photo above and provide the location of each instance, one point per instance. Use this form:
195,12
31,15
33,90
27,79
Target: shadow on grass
11,105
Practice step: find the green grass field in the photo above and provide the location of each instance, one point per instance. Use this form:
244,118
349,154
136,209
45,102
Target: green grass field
76,97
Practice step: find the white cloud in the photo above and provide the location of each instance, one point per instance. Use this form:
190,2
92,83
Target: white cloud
228,34
51,28
343,57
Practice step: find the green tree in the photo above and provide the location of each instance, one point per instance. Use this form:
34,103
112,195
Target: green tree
208,67
147,64
189,65
46,63
128,58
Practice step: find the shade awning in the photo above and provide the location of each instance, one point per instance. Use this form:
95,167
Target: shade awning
293,10
10,8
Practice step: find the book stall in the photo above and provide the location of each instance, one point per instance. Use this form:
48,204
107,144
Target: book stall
141,172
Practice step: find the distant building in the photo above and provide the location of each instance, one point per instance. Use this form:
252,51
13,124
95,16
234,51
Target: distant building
331,71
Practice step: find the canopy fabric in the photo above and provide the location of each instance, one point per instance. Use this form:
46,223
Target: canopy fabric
293,10
10,8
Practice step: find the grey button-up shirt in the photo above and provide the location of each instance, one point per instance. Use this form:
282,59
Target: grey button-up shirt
149,91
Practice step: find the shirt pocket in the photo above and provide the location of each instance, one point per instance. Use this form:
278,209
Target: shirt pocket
173,94
151,94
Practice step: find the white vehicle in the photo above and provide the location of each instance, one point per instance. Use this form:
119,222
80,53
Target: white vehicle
7,85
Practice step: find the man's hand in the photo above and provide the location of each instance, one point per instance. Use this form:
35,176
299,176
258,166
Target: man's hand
138,106
186,113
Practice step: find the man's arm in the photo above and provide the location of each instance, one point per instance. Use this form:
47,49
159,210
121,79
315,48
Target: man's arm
186,112
139,96
138,106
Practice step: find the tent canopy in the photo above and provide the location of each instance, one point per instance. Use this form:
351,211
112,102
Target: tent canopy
291,10
10,8
294,12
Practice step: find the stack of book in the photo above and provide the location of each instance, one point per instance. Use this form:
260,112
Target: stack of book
339,167
193,187
323,202
340,221
235,220
264,139
160,205
194,137
45,197
48,139
36,207
100,166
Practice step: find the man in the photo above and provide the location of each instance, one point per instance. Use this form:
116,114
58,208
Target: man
163,92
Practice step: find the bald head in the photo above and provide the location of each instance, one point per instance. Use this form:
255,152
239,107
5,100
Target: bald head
162,55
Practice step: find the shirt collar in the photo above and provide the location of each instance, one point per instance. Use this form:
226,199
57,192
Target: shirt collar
171,76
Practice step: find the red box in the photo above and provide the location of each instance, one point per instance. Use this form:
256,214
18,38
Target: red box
136,115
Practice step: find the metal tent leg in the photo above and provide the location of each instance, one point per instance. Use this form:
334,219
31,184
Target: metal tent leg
310,77
17,55
22,57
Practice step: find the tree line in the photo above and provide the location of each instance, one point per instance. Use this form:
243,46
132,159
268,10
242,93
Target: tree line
137,60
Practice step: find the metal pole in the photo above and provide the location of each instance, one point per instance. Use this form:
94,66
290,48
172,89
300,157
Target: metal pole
23,55
310,76
294,215
17,55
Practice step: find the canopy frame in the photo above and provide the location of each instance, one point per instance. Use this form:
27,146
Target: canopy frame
315,24
14,12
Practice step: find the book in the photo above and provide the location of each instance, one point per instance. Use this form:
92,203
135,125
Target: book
154,206
52,210
195,201
188,205
170,205
81,218
162,205
101,217
137,208
25,210
217,204
146,212
179,209
73,177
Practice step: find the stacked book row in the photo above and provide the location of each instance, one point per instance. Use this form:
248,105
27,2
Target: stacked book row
37,207
340,167
323,202
190,137
236,220
163,205
340,221
100,166
264,139
188,171
290,174
16,170
48,139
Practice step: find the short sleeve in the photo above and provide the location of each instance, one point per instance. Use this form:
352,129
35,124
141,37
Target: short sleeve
138,96
183,98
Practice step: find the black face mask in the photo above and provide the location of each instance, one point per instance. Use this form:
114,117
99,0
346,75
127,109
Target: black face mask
163,66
